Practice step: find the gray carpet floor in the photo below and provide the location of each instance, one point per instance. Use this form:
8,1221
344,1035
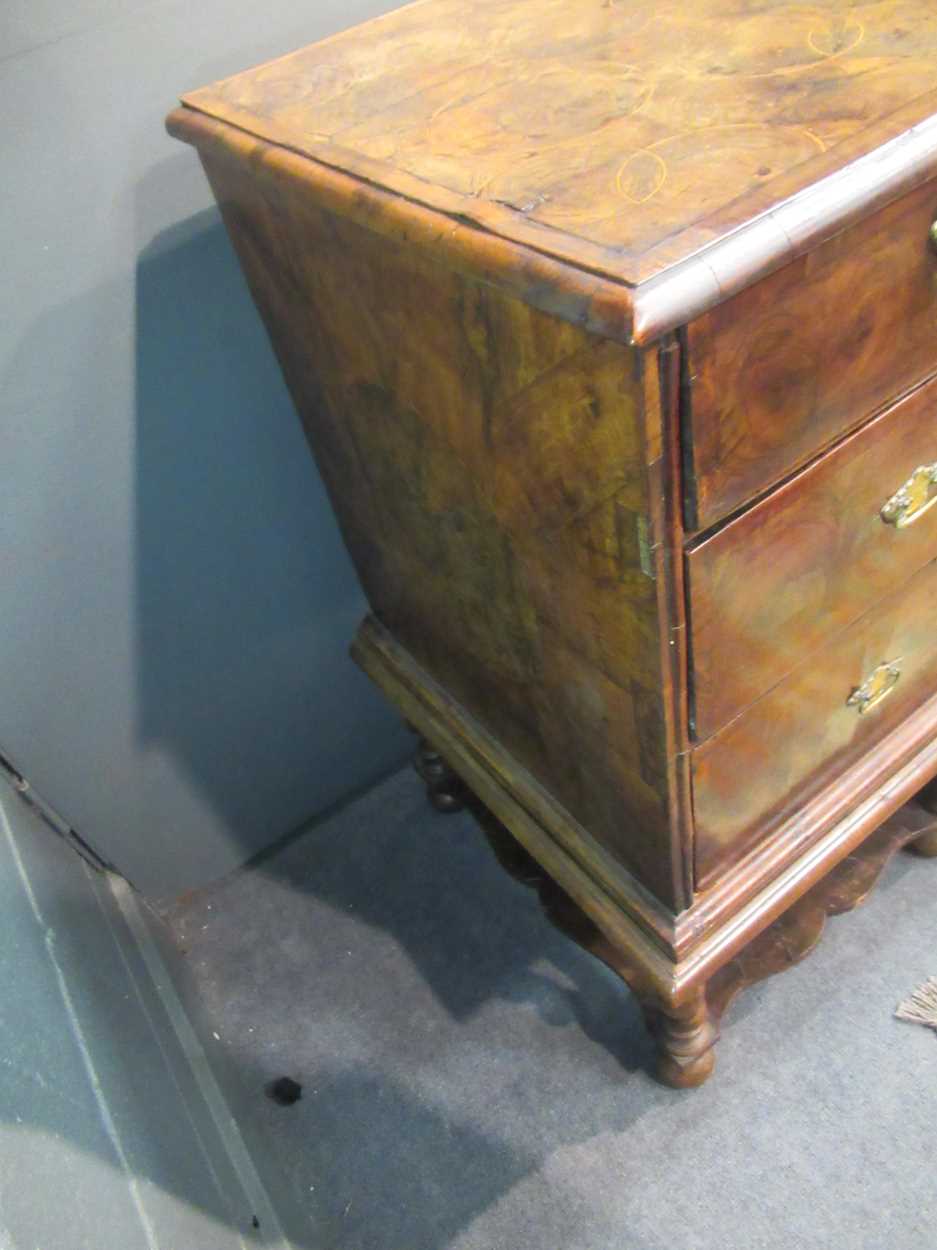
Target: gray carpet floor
473,1081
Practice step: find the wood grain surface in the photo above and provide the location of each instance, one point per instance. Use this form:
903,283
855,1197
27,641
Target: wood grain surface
619,134
770,587
676,952
488,467
559,288
752,775
786,367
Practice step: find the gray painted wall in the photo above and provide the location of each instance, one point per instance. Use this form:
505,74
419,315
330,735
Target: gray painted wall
176,600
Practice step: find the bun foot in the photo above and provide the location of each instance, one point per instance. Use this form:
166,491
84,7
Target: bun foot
444,789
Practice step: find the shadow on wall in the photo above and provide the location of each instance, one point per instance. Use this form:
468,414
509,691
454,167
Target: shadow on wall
246,600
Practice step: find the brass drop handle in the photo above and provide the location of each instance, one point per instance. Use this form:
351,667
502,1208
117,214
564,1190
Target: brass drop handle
909,503
877,686
932,236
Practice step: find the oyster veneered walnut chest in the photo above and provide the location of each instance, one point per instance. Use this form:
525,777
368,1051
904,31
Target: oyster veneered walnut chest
613,328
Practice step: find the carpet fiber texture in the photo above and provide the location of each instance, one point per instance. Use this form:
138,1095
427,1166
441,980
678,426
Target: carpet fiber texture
474,1081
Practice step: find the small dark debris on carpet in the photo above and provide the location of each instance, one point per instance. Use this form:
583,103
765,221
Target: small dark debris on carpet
285,1091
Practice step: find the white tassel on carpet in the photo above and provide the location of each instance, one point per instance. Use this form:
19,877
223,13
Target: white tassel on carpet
921,1006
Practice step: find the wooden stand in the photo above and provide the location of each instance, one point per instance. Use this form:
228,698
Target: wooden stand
583,403
686,1033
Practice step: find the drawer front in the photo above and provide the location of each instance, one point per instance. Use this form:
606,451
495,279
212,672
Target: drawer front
771,586
789,365
834,707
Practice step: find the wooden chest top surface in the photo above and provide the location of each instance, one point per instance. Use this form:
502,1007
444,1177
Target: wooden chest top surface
619,135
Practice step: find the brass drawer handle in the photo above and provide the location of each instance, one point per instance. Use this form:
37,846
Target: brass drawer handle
932,236
876,687
909,504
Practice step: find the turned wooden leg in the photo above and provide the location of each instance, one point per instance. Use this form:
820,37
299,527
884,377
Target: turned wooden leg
684,1034
685,1037
444,789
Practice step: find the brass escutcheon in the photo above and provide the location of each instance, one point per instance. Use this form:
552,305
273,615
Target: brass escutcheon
876,687
911,501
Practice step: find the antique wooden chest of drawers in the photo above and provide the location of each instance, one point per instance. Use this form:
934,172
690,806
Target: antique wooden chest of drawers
613,327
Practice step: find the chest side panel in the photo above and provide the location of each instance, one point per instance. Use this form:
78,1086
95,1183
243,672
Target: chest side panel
487,465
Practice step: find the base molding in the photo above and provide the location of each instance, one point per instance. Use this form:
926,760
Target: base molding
685,1034
684,972
629,916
